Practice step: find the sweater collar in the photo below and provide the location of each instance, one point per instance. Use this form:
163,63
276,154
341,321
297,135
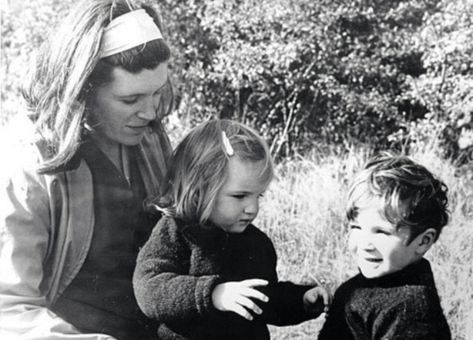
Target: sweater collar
417,273
211,236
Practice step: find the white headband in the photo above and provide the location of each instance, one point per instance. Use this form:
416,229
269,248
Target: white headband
127,31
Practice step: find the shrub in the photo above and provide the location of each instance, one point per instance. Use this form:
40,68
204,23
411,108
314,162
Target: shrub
305,71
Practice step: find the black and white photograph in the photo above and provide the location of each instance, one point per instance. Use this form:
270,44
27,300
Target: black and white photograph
236,170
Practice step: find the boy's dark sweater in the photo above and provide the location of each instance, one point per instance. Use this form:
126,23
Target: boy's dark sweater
402,305
179,267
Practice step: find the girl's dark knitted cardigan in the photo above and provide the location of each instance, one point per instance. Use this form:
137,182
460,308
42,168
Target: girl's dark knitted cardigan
402,305
179,267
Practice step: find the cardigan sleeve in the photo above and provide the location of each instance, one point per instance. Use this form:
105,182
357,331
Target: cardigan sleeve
25,238
335,325
163,288
285,305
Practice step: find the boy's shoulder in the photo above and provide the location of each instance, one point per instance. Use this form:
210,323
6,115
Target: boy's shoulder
405,300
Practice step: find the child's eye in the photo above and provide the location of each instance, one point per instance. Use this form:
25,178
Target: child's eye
383,231
239,196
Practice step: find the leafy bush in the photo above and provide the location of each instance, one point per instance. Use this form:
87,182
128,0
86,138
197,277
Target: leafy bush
318,71
310,73
24,27
303,72
446,89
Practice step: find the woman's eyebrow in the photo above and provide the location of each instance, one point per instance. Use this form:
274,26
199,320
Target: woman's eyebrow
137,94
233,191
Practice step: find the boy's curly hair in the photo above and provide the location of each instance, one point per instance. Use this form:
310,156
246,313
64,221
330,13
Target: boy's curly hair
413,197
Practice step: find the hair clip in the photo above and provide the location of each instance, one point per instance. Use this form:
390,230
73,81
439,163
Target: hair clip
226,144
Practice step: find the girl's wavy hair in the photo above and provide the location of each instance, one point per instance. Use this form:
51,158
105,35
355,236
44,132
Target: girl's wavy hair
68,69
198,168
413,197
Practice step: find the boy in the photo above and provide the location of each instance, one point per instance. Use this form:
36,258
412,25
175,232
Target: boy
396,211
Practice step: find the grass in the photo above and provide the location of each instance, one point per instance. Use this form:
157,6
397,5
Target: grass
303,214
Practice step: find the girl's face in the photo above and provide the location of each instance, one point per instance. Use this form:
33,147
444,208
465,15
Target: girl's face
379,247
121,110
237,202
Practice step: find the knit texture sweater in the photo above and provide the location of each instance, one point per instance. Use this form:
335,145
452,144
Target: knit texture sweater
179,267
400,306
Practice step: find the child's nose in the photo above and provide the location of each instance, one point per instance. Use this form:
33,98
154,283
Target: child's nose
252,207
365,242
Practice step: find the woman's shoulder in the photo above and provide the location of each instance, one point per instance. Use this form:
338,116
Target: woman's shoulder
19,143
20,153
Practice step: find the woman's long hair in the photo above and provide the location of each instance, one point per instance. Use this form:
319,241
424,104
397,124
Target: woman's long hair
68,70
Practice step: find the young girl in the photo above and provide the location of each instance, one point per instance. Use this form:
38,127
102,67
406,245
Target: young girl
207,272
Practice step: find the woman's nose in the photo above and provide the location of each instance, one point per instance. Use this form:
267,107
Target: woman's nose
148,110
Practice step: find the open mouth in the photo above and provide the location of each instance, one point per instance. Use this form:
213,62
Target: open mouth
373,260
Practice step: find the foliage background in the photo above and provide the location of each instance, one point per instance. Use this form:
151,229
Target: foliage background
384,73
330,72
327,83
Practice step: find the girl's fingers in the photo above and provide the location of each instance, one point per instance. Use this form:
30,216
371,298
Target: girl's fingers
254,282
248,304
326,296
240,310
312,297
317,292
253,293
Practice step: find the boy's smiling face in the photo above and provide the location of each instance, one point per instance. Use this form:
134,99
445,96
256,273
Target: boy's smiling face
380,248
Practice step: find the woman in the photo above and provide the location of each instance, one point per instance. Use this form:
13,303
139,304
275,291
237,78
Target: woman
72,205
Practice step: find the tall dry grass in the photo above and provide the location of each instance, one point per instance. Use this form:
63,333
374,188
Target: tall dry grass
303,213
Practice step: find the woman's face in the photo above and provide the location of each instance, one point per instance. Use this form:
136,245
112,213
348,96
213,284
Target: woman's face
121,110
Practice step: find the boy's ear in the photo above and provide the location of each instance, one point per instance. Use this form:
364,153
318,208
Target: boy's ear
425,240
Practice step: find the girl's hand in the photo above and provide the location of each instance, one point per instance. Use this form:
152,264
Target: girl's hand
317,300
236,297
